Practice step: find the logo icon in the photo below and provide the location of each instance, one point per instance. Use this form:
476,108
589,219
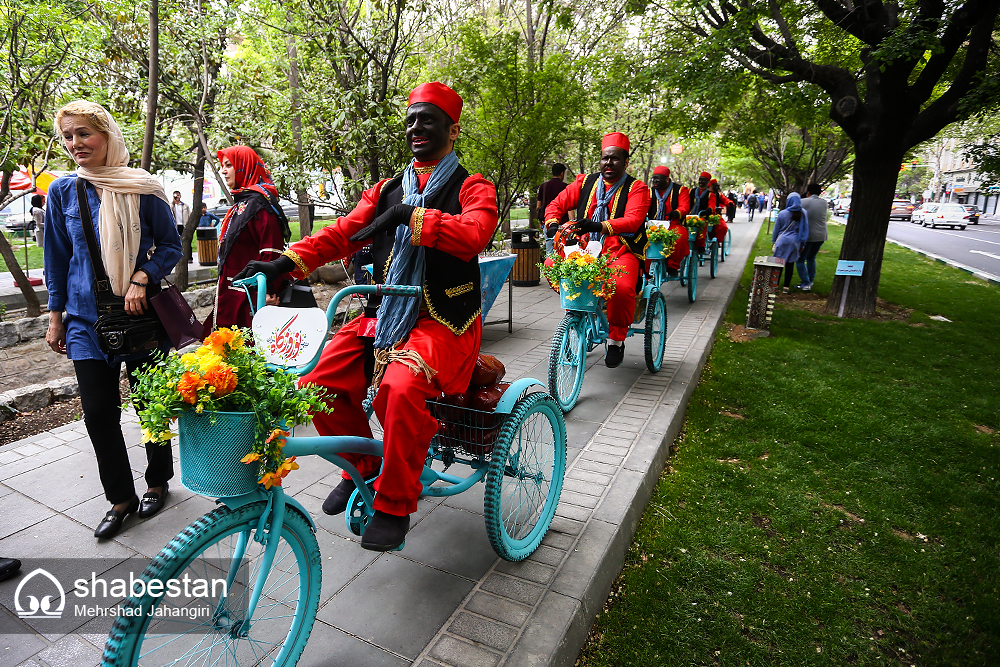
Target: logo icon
40,608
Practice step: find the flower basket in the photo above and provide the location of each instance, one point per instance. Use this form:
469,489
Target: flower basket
662,241
577,297
212,446
233,412
695,222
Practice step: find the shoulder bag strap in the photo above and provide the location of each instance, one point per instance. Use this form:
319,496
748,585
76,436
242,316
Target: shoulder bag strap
102,283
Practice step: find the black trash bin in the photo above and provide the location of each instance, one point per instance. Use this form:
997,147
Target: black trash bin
525,246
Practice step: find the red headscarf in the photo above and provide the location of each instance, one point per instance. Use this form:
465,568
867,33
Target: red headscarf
251,174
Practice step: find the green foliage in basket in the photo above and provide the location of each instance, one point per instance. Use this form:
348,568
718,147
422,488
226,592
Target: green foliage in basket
227,375
580,267
695,222
664,235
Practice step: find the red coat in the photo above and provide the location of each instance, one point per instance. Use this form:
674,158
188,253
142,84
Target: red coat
634,217
261,239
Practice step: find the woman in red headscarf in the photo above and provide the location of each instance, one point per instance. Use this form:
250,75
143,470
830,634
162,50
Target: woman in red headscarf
254,228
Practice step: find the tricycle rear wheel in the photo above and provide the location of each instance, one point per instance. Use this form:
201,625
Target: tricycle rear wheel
525,476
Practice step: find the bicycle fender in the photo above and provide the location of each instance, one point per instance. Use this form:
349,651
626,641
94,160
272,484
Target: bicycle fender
514,392
236,502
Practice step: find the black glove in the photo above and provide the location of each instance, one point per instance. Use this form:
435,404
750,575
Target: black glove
399,214
272,270
588,227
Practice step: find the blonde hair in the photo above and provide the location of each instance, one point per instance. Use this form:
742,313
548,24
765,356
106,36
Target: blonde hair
93,112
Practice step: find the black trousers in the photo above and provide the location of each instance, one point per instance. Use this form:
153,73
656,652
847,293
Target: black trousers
102,412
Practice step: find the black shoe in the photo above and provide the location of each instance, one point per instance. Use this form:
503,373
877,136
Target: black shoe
8,568
114,519
615,355
336,502
386,532
152,502
673,272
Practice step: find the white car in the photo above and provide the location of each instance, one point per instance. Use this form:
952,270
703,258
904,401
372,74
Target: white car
842,206
924,209
947,215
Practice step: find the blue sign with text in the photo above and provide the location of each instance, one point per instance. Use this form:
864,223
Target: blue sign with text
847,267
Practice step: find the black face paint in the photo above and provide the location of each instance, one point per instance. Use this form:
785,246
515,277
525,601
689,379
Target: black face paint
613,163
427,128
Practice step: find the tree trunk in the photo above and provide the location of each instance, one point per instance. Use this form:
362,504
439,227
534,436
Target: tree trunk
153,92
875,172
181,271
34,308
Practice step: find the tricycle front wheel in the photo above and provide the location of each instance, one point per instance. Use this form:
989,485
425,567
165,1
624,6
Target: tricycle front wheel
568,360
525,476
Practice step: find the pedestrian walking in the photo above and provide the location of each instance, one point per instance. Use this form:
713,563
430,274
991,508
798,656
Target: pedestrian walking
791,230
38,215
548,191
752,202
815,209
139,246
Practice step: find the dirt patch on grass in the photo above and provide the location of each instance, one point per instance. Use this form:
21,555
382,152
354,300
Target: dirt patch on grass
733,415
738,333
816,303
985,429
849,514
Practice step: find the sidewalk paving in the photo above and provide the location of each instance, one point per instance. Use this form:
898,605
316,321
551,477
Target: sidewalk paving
446,599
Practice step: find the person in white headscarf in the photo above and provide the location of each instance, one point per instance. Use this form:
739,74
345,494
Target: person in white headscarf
139,246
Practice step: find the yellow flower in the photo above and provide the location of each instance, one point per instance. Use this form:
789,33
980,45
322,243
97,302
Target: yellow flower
277,433
218,340
270,479
250,458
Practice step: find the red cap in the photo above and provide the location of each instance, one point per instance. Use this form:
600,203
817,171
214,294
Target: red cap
665,171
615,139
705,174
712,181
439,95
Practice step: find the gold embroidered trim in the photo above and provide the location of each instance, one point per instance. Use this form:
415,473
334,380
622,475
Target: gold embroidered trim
294,256
417,224
423,171
452,292
388,263
458,331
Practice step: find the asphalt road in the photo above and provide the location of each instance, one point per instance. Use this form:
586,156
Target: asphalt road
978,246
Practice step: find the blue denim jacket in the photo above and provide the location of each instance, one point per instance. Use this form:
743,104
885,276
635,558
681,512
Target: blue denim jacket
69,275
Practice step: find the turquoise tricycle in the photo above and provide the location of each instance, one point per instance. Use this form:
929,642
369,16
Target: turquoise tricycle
262,542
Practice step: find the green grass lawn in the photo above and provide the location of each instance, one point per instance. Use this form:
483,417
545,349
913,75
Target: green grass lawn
833,498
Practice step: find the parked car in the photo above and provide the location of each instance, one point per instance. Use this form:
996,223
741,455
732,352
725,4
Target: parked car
901,209
842,206
923,210
16,223
973,214
947,215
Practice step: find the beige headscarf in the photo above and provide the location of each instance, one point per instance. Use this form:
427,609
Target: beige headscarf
118,221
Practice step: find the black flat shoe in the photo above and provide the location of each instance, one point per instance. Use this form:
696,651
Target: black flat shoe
114,519
336,502
386,532
8,568
152,503
615,355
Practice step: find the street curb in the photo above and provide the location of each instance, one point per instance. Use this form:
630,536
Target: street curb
976,273
611,533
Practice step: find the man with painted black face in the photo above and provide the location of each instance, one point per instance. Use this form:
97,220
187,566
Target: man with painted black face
707,197
666,196
612,205
427,227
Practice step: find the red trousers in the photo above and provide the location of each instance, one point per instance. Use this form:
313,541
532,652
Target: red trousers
720,231
400,403
621,307
681,250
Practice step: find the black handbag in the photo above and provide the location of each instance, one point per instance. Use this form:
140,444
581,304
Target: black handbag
118,333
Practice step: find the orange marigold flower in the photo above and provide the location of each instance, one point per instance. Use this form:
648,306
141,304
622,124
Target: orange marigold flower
270,479
574,254
223,378
250,458
217,340
188,387
277,433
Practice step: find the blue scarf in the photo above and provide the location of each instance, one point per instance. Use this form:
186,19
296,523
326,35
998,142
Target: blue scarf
661,202
398,314
603,199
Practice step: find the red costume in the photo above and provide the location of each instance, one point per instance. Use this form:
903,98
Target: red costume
250,231
621,307
677,199
704,199
450,352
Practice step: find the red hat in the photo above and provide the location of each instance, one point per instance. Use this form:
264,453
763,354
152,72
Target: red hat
705,174
615,139
712,181
439,95
665,171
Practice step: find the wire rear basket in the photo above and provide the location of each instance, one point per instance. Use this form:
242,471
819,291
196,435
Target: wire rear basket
464,429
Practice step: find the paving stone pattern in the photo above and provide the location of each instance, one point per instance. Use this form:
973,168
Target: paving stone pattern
446,599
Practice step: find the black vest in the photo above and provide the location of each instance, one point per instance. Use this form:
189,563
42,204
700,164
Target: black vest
673,199
452,289
636,242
